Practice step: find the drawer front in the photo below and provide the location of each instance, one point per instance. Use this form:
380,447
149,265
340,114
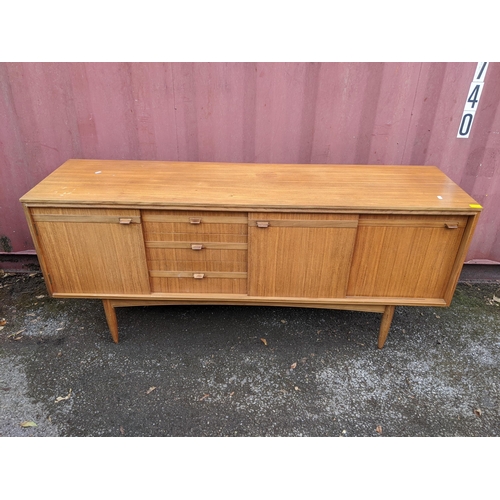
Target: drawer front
196,252
178,259
198,282
173,225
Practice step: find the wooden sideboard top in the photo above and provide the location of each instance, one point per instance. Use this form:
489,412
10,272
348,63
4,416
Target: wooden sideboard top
251,186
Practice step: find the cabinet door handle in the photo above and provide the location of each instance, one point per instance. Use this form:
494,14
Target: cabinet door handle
262,224
198,276
195,220
451,225
124,220
196,247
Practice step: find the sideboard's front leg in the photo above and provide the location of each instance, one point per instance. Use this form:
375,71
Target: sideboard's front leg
385,324
111,319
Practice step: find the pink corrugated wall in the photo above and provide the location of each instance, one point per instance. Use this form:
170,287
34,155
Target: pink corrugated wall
380,113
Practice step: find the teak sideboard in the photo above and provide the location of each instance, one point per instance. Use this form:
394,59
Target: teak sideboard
357,237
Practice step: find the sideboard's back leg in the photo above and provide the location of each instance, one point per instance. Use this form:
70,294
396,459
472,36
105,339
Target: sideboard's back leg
385,324
111,318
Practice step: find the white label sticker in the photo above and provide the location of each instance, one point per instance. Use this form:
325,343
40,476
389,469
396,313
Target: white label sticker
480,71
472,101
475,91
466,124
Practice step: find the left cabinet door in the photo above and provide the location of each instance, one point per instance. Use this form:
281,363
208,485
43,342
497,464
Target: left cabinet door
92,250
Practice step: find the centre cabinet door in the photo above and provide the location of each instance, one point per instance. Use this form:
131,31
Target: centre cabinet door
300,255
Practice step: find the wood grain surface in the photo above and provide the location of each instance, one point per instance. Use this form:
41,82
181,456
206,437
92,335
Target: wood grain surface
404,257
91,256
300,261
242,186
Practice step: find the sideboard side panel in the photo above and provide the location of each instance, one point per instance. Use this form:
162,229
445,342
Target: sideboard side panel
459,261
38,247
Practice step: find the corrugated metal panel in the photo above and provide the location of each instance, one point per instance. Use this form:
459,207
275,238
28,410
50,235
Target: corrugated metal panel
381,113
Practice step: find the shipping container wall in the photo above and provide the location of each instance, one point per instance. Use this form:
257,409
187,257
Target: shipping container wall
365,113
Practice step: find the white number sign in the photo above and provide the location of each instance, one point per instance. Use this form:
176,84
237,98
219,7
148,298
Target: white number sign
472,102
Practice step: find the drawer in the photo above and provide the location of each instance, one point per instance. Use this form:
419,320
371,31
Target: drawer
177,256
159,234
182,225
198,282
194,266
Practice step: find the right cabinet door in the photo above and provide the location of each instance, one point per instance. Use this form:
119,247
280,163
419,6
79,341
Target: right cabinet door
404,255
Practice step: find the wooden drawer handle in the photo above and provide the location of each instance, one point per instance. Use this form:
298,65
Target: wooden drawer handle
198,276
124,220
451,225
262,224
195,220
196,247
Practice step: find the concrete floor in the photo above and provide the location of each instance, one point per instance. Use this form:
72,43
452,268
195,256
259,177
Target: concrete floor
247,371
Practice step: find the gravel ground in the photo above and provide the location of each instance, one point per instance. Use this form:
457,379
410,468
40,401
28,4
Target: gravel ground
247,371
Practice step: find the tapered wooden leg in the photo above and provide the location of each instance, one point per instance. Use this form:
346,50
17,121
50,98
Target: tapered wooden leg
111,319
385,324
